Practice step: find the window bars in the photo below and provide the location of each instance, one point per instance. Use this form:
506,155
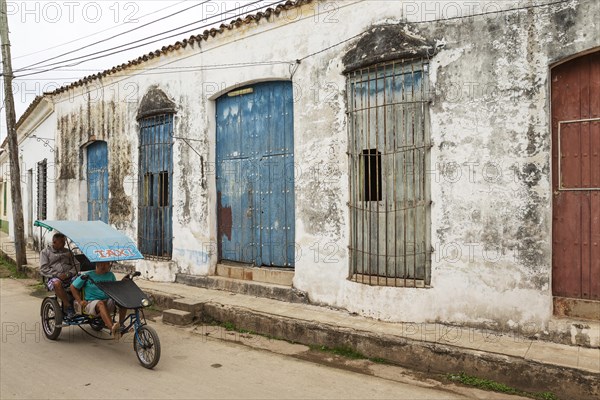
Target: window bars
4,205
42,189
155,227
388,148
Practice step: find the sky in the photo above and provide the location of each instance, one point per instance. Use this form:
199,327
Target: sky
46,34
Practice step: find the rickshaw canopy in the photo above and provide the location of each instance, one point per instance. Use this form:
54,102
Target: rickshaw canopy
96,239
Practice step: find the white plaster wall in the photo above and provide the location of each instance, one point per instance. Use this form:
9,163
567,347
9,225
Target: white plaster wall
110,115
41,123
490,231
6,208
31,152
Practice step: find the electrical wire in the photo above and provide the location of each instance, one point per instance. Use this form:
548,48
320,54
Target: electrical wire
141,40
148,70
226,12
170,70
442,20
112,37
95,33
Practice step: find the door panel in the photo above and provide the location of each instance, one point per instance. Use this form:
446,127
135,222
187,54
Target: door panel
274,230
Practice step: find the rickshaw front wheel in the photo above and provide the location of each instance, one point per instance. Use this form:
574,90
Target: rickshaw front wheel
147,346
51,318
97,324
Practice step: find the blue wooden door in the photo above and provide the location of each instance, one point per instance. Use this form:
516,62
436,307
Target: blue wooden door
155,227
255,175
97,181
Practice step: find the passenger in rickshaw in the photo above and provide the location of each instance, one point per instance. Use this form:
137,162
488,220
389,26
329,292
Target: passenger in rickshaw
96,302
59,267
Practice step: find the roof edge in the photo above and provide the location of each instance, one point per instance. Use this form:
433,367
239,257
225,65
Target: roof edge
43,107
204,36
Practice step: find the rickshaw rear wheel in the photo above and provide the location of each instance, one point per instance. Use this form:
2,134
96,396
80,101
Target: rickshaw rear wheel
147,346
52,318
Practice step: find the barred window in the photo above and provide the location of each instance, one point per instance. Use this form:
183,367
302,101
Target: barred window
4,205
42,189
388,151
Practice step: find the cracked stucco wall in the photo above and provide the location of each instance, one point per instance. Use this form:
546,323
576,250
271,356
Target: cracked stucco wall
490,160
108,112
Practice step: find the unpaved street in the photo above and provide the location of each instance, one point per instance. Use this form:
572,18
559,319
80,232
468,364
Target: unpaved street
78,366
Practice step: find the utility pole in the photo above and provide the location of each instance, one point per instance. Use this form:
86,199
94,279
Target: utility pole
13,146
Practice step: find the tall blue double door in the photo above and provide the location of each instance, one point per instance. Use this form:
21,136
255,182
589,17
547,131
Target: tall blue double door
255,175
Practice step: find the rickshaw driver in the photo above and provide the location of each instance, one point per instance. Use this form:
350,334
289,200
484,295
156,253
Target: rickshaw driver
59,267
96,302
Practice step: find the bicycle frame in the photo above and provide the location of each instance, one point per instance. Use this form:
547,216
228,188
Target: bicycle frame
134,321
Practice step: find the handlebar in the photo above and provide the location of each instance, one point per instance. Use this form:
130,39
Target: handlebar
86,277
131,276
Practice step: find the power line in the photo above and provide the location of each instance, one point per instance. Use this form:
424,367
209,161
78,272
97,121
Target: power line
110,38
95,33
170,70
226,12
494,12
148,70
442,20
140,40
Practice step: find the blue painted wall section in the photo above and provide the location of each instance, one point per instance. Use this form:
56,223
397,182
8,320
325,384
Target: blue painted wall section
97,181
255,175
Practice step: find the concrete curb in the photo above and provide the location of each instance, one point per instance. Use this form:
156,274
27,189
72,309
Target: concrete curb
418,355
421,356
161,300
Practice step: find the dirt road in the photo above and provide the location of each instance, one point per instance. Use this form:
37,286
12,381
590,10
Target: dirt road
192,366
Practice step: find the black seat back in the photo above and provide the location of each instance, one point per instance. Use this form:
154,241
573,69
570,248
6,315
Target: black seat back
84,263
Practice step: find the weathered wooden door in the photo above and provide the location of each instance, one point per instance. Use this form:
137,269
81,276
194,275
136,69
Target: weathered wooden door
97,181
255,175
576,178
156,186
30,203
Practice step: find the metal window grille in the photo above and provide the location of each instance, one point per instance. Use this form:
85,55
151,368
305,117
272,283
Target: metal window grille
155,226
4,205
42,189
388,152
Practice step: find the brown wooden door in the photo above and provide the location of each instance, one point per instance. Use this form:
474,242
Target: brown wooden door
576,178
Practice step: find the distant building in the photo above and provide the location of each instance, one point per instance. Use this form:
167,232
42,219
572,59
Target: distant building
36,130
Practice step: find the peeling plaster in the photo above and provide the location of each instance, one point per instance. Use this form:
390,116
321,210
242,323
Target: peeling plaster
490,160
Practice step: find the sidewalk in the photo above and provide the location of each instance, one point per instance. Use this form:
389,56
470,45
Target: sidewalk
570,372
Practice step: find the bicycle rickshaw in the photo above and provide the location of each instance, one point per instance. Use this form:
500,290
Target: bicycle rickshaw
90,242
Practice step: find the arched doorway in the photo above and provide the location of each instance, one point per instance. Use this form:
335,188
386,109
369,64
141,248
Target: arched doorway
255,175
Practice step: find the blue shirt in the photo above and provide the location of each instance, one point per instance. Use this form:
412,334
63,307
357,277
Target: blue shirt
92,292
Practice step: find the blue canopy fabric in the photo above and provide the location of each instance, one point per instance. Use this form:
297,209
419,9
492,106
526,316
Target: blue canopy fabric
96,239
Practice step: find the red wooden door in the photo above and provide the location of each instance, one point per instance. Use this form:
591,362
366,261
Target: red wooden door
576,178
